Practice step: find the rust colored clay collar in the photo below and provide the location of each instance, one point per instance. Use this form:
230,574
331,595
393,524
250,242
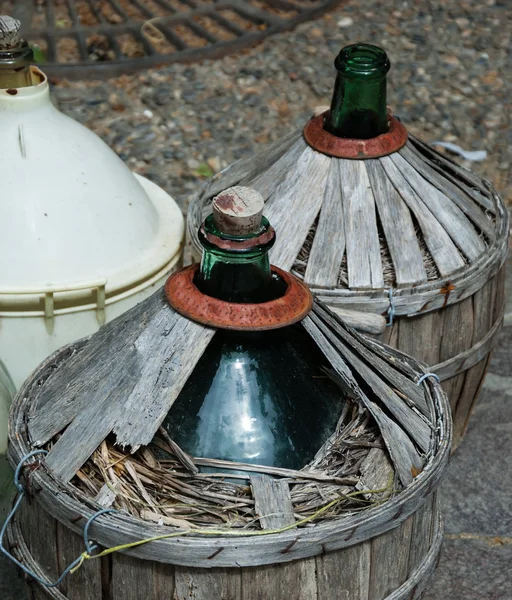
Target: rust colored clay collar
183,295
327,143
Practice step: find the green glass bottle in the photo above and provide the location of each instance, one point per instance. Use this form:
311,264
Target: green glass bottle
358,106
258,397
16,56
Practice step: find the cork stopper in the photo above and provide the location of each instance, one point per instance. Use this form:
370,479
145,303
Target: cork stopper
10,37
238,211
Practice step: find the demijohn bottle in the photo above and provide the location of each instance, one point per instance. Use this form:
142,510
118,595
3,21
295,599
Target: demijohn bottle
258,397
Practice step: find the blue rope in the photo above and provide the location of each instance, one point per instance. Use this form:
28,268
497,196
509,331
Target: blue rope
423,377
21,494
391,309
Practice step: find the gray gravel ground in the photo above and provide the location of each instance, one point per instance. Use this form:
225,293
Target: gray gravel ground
450,80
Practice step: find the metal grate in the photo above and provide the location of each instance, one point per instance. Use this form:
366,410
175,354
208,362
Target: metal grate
109,37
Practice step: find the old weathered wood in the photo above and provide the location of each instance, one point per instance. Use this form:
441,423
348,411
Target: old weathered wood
266,181
441,235
422,532
405,456
139,384
439,243
458,326
453,220
398,228
442,159
333,568
296,579
272,501
86,582
329,242
383,360
330,576
300,193
361,234
391,553
362,321
376,471
62,502
449,189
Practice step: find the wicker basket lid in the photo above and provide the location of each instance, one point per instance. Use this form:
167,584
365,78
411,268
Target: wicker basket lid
410,220
126,377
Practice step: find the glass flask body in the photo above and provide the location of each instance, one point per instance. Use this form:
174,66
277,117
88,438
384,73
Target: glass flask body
259,398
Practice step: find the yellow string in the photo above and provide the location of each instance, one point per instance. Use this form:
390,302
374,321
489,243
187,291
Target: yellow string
86,556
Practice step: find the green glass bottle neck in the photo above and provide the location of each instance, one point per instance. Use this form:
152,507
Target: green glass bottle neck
15,66
234,274
358,107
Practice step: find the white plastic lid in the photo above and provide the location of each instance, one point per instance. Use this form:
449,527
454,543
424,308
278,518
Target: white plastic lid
70,209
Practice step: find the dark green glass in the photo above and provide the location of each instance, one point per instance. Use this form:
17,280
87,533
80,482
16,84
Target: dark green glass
358,106
255,397
236,276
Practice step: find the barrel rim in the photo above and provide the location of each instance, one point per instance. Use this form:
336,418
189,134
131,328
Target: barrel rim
412,587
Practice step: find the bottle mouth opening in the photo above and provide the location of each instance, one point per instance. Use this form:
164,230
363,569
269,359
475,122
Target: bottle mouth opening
362,59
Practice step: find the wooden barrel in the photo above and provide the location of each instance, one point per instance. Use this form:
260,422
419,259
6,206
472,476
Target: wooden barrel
387,551
430,249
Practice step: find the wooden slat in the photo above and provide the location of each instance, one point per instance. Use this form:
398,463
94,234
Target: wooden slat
442,159
86,582
444,209
417,428
470,357
294,205
168,358
295,580
133,579
248,167
398,228
403,453
376,471
461,199
143,379
484,330
421,533
365,322
383,364
273,502
390,557
66,393
267,181
345,575
458,333
361,234
440,245
328,247
206,584
421,336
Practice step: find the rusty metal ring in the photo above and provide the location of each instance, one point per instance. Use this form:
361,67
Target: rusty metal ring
183,295
327,143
